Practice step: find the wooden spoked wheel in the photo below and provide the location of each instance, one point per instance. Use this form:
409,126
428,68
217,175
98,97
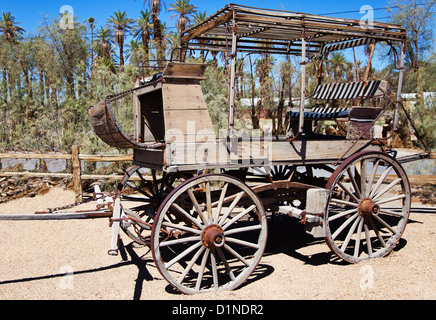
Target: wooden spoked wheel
209,234
280,173
141,195
368,206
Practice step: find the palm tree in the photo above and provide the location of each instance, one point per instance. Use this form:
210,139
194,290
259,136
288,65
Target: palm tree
92,26
104,48
10,29
142,30
200,16
183,9
133,52
120,23
339,65
155,8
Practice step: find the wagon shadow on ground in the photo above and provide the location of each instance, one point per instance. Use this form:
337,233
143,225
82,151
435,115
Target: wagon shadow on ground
285,236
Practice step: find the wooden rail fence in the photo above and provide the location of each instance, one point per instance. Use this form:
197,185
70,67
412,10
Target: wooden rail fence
77,175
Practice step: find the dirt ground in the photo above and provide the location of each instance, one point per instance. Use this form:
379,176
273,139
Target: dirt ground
68,260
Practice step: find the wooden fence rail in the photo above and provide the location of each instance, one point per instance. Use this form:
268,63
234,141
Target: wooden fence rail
76,174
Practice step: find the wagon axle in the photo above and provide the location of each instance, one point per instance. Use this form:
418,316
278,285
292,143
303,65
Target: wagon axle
213,236
368,208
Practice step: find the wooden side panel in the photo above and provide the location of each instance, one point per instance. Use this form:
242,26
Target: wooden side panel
316,150
192,71
149,158
255,153
185,113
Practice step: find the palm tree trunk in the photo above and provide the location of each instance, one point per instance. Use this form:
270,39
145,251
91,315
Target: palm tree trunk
158,37
119,37
371,49
145,44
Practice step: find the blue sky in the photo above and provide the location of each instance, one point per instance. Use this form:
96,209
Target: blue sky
29,13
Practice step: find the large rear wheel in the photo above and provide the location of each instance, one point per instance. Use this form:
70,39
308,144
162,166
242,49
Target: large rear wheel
209,234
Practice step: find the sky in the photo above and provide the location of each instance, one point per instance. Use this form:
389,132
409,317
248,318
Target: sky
30,12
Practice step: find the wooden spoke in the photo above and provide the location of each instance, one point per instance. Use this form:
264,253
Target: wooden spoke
230,209
191,263
354,183
141,196
238,217
386,189
370,220
218,238
342,214
180,241
220,203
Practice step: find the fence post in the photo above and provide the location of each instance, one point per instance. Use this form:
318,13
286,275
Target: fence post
77,173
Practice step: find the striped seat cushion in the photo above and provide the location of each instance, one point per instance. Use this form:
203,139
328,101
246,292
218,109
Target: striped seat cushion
351,90
324,113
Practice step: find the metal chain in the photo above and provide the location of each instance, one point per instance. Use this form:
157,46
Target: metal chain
122,94
75,204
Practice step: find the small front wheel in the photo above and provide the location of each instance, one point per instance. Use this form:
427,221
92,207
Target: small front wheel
368,206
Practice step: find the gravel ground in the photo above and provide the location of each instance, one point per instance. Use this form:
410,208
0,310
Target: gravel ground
67,260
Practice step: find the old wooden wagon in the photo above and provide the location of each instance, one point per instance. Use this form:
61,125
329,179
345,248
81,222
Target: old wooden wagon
201,200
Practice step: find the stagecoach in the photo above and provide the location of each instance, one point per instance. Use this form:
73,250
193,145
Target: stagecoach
201,199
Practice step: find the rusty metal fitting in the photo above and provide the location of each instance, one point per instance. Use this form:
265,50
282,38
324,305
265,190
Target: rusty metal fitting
303,216
368,208
213,236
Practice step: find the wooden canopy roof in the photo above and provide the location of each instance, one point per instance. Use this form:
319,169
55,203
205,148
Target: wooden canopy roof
281,32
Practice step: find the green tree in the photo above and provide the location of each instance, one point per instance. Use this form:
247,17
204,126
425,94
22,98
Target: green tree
91,22
155,8
417,18
143,30
338,65
9,27
183,9
104,47
119,22
134,52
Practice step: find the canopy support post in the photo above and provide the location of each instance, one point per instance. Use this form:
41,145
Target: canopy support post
303,83
232,79
400,86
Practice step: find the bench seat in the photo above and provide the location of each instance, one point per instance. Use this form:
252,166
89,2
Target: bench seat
320,113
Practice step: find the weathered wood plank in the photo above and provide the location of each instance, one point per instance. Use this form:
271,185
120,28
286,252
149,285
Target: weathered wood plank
35,156
186,113
262,152
36,175
55,216
84,157
194,71
207,26
77,172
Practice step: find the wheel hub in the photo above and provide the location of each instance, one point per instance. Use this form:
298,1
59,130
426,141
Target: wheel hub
368,208
213,236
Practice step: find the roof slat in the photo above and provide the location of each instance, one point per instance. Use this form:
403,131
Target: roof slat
280,28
